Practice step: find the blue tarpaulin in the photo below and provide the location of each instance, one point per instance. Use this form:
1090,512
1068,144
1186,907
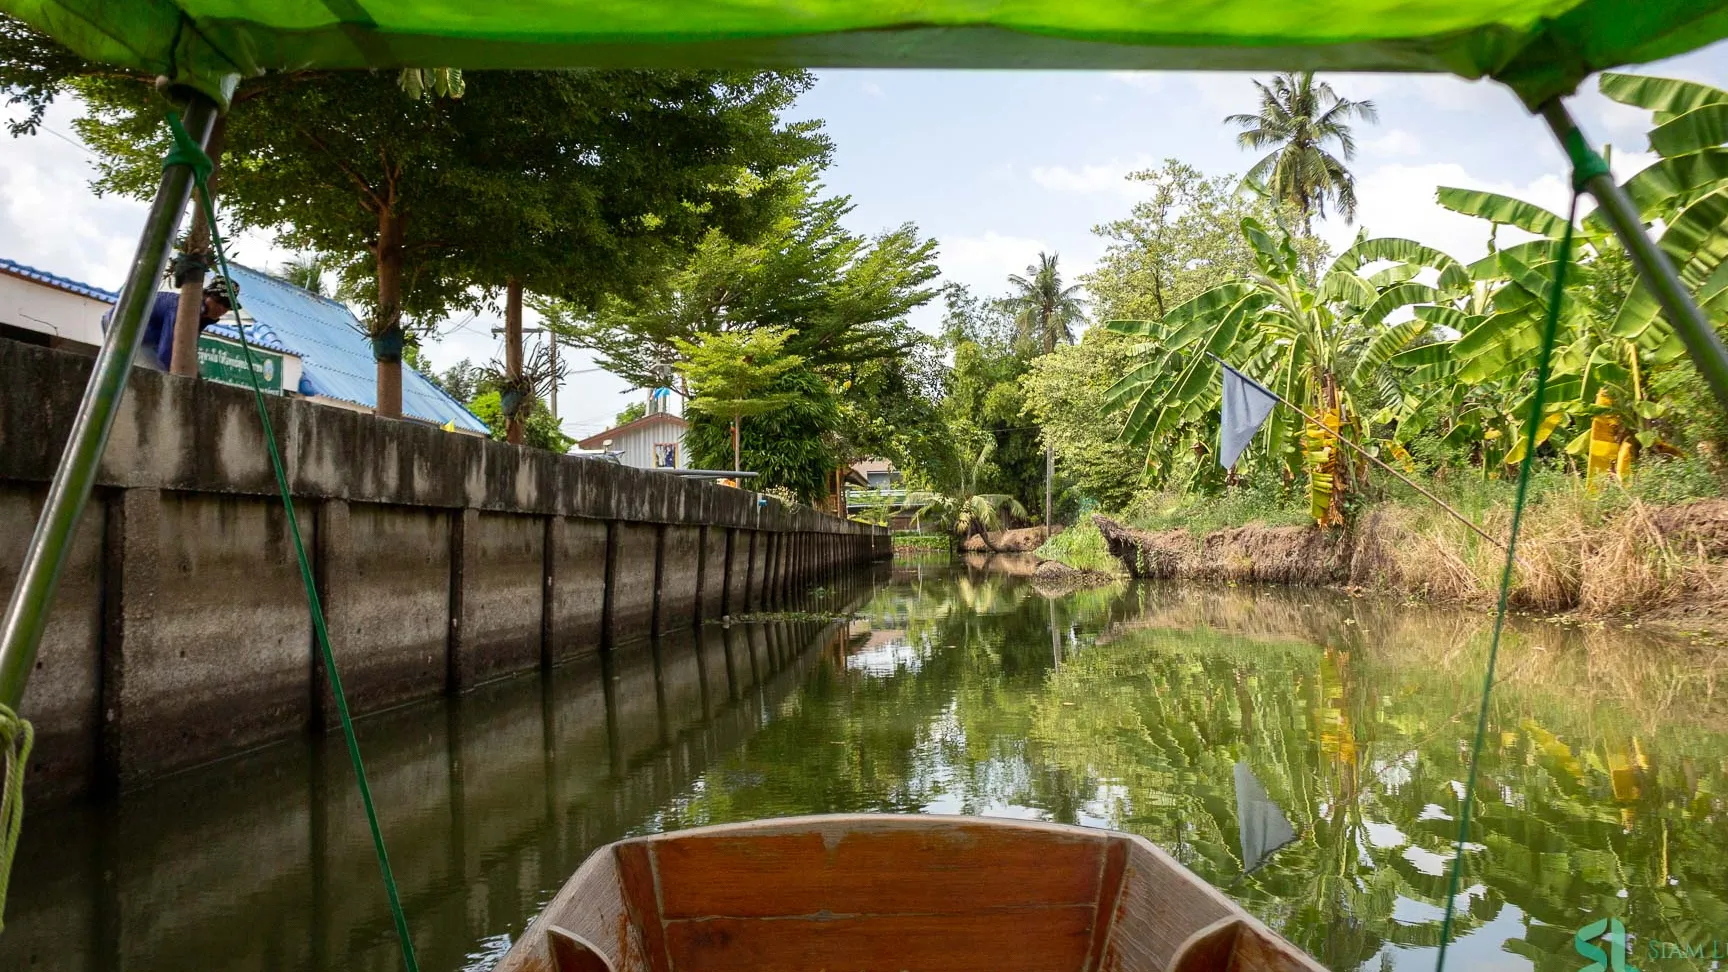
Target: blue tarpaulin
335,354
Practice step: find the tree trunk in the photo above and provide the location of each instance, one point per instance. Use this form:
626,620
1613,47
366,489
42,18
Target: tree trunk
513,356
190,310
1049,503
737,457
387,325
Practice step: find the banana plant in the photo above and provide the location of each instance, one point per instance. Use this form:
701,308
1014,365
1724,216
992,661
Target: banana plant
1322,344
1612,337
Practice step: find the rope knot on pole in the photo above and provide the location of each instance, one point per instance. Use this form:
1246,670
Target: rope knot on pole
16,736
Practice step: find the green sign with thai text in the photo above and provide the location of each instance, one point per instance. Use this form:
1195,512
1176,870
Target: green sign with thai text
225,361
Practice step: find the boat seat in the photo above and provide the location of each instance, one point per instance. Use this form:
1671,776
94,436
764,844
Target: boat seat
1233,945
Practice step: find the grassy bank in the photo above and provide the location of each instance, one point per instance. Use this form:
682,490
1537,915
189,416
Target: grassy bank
1081,547
1656,551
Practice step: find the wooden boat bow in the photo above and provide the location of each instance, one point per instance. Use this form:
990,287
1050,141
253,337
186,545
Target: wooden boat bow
866,893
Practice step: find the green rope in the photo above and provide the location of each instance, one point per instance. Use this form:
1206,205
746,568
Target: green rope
16,735
1550,330
187,152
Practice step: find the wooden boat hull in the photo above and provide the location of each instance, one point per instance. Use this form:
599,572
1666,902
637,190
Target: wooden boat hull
864,893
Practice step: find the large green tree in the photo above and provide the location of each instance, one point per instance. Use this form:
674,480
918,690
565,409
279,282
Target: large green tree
1183,239
581,179
609,175
983,402
844,294
1300,120
735,374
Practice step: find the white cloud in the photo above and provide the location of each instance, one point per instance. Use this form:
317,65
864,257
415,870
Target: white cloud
1144,80
51,220
872,89
1394,141
1110,176
983,262
1398,200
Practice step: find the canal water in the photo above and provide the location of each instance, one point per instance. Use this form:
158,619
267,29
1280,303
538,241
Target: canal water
954,689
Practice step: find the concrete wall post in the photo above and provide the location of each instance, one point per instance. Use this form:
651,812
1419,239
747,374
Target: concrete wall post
608,606
464,540
134,543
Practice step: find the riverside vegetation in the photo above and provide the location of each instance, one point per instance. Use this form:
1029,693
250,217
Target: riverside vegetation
1423,359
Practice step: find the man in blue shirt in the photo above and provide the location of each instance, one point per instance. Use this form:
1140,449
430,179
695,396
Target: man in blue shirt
157,349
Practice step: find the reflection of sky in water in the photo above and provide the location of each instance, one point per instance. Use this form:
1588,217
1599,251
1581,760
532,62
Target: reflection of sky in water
965,705
886,659
1481,950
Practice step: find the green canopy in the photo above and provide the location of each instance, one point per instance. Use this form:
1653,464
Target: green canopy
1541,48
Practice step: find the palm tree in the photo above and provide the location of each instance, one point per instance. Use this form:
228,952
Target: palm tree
305,272
967,511
1045,313
1298,117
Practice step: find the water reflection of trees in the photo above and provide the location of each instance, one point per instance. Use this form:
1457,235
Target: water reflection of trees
1605,767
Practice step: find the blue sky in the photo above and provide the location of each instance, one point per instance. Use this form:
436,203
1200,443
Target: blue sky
995,165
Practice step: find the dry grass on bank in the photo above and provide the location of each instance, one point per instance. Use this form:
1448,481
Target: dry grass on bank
1602,555
1579,553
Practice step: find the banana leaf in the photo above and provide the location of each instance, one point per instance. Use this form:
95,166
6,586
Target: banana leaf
1506,210
1669,96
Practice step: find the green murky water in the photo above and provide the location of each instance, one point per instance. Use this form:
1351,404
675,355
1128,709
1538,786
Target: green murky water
962,691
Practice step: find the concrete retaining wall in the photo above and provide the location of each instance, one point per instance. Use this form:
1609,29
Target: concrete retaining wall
180,633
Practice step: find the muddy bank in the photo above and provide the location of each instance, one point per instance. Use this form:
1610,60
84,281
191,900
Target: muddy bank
1024,540
1053,578
1012,564
1666,564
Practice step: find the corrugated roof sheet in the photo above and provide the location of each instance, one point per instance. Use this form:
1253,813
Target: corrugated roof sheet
335,353
56,281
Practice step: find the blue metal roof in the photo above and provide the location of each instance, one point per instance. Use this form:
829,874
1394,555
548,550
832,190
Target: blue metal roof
335,354
55,280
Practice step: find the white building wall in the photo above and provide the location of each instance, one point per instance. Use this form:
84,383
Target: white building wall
637,444
49,310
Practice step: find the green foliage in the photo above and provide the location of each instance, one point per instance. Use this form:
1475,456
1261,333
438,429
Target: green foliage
1065,396
1264,502
922,541
1321,344
540,431
631,413
984,405
1082,547
1180,242
790,449
844,295
462,381
735,374
1045,312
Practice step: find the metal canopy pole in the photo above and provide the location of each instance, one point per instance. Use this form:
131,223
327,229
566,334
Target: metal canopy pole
27,612
1653,266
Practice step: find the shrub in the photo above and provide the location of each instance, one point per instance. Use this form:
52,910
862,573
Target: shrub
1081,547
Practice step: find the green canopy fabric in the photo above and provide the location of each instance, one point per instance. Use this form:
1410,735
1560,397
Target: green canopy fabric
1541,48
